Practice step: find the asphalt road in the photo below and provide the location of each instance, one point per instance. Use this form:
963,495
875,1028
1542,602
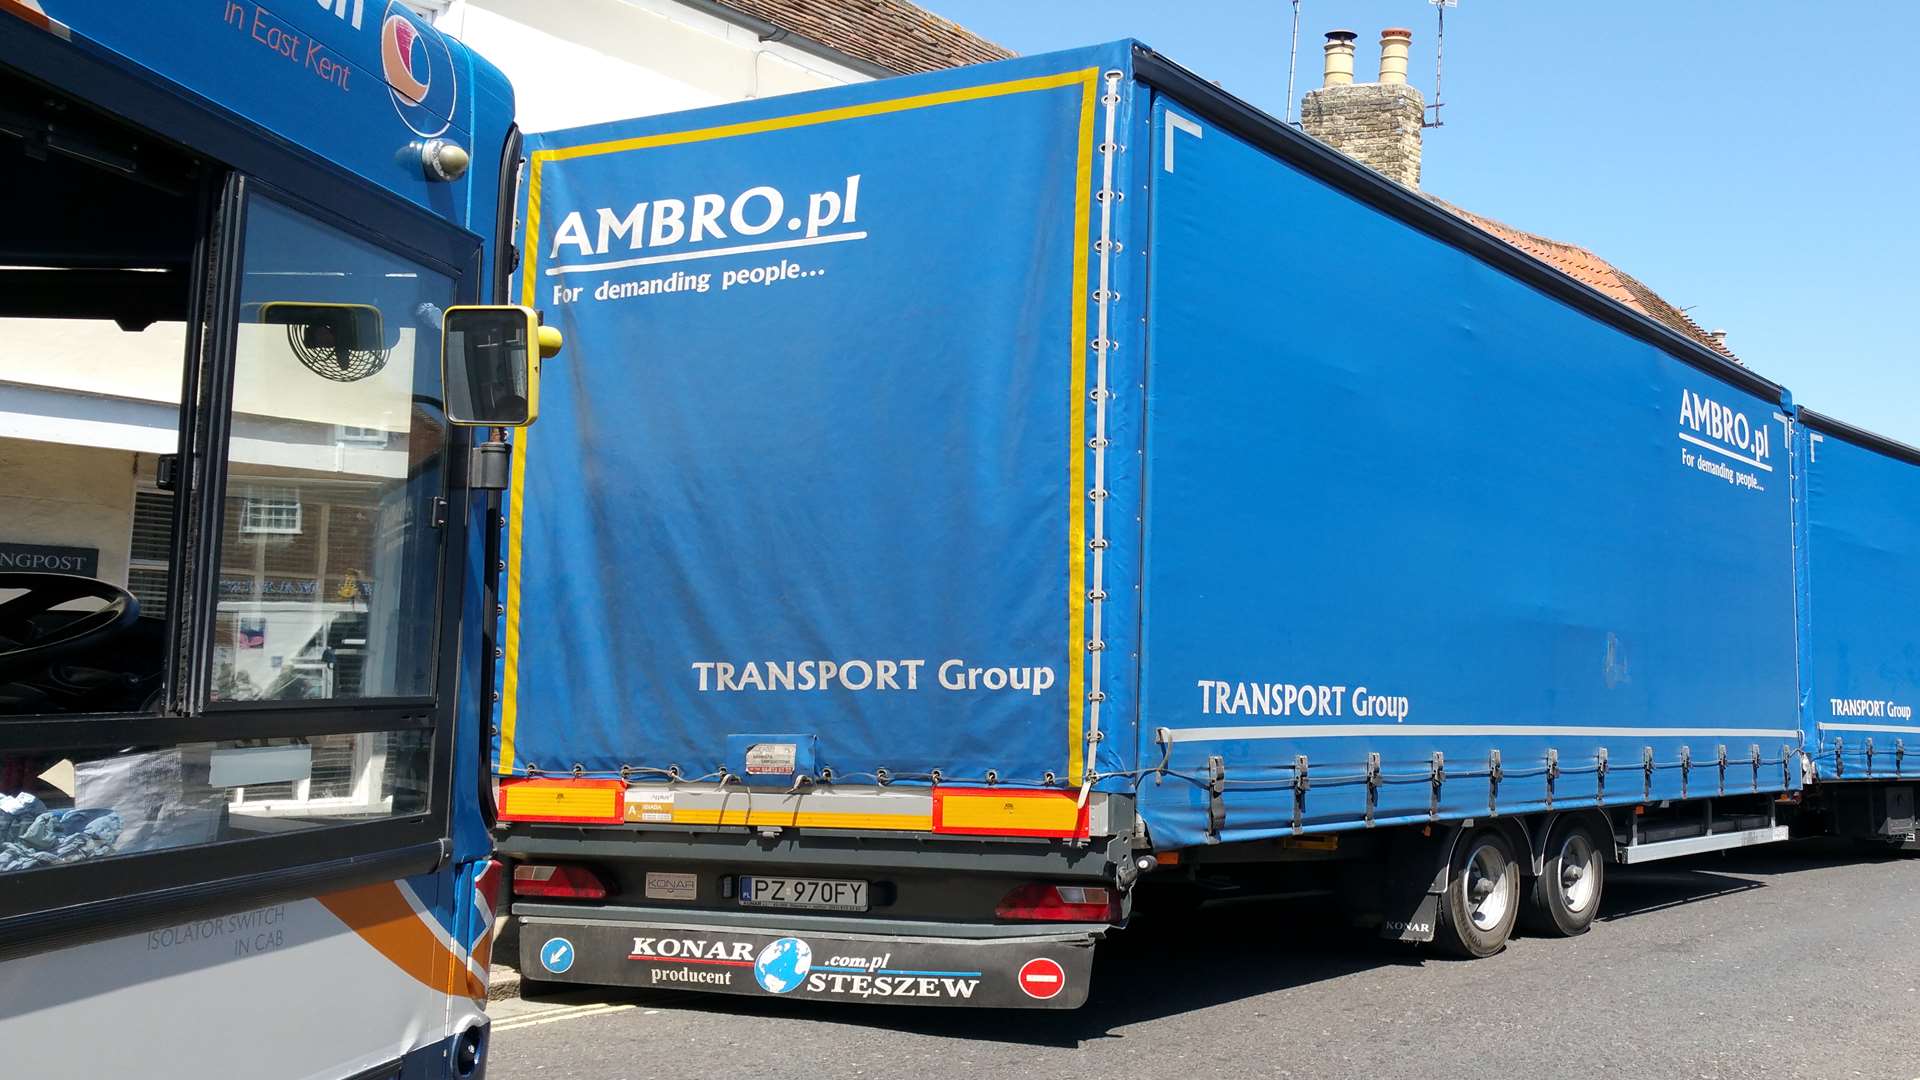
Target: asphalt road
1791,961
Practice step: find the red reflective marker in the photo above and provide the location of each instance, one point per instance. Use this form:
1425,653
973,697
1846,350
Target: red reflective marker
1042,978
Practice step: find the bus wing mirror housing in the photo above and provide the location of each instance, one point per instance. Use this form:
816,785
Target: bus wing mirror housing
490,364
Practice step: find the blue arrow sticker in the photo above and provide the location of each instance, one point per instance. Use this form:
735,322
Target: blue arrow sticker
556,955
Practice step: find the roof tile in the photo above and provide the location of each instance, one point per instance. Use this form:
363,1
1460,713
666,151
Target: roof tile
892,34
1583,265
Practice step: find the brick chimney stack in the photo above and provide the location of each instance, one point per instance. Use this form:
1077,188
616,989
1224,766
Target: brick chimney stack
1377,124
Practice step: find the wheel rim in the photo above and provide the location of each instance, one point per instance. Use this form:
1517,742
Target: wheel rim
1487,879
1578,883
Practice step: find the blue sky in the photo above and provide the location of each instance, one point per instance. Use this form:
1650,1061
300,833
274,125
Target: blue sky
1757,163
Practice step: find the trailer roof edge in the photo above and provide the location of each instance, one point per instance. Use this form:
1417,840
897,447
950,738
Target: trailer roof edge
1322,161
1891,447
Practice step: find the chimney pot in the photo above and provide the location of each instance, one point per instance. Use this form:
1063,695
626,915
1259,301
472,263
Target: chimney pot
1377,124
1719,337
1393,55
1339,66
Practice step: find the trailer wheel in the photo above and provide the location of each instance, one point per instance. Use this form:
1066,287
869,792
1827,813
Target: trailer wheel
1566,896
1482,900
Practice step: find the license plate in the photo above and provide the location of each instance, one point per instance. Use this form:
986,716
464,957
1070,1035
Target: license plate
819,894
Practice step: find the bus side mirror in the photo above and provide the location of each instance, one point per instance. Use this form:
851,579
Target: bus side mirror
490,364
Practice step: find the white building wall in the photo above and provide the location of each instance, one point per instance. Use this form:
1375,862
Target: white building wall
577,62
69,496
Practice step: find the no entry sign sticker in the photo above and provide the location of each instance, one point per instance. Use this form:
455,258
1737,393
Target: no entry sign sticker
1042,978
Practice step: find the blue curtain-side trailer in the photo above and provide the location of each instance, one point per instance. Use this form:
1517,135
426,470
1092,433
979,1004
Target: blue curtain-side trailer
1859,539
974,501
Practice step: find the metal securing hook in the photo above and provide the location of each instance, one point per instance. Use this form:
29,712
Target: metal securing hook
1300,782
1216,797
1373,786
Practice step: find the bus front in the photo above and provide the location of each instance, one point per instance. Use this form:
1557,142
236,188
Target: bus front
245,547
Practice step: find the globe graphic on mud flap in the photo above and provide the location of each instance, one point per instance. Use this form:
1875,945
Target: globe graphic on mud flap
783,965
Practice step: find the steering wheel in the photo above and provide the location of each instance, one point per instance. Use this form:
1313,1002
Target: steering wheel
25,643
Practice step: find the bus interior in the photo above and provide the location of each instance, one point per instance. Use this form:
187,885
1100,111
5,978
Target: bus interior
164,324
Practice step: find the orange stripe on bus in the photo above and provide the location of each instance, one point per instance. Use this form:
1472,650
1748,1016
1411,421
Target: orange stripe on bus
382,918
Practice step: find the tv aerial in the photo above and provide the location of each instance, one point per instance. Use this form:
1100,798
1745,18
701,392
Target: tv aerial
1439,58
1293,59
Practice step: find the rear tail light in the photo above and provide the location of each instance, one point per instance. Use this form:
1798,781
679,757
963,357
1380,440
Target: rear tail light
1059,903
558,882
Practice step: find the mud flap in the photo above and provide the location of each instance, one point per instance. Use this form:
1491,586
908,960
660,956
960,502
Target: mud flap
1045,971
1416,878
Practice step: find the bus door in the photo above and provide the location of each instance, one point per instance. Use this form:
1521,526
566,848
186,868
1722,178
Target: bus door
232,525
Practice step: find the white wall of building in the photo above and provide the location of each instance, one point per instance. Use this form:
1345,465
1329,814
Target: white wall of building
69,496
576,62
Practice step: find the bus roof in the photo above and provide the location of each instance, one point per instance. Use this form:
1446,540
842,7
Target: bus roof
363,84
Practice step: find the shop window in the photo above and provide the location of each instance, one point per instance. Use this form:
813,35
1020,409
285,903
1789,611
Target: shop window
350,435
274,513
150,550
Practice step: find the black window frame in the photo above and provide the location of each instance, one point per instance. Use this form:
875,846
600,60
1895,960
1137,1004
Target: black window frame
66,904
212,451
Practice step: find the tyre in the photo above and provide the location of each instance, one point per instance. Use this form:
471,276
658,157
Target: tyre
1566,896
1482,900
